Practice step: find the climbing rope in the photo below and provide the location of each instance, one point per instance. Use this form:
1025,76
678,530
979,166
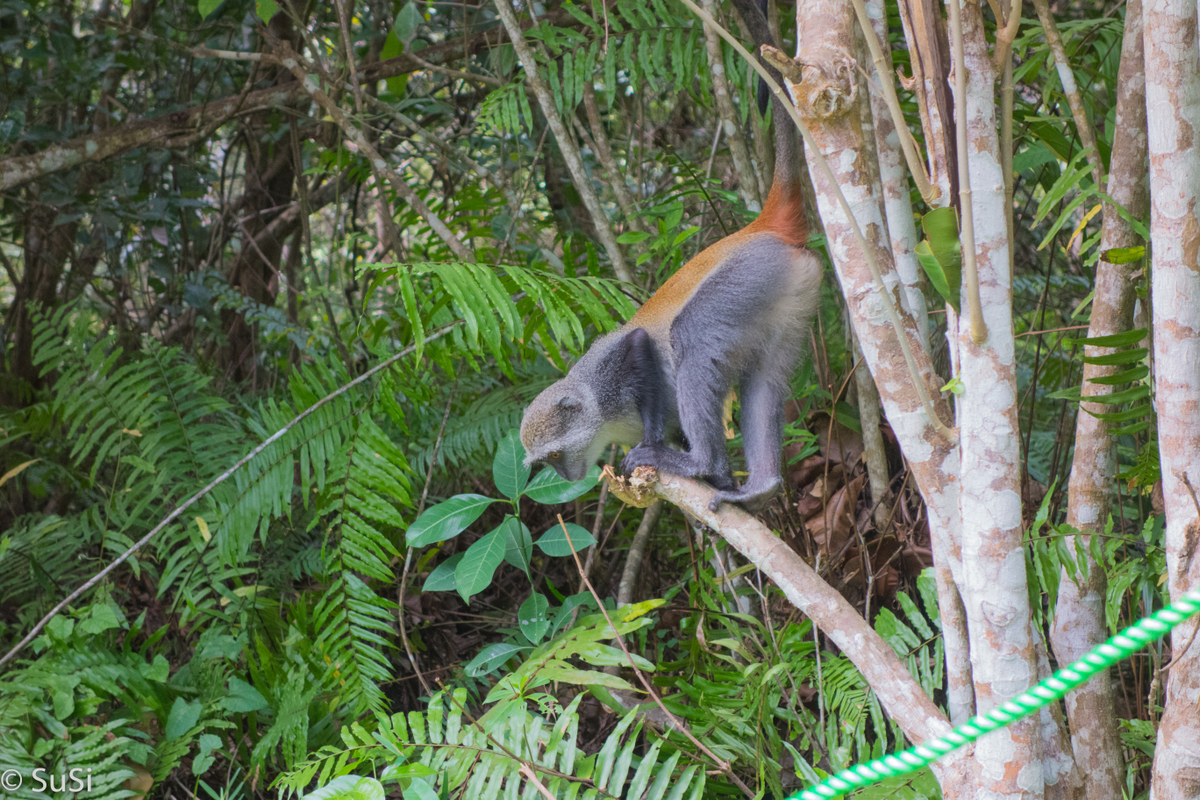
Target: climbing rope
1123,645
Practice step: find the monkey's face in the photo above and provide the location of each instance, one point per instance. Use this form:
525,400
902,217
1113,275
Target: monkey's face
561,428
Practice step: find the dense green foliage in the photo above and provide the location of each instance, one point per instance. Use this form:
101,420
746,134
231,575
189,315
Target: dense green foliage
383,598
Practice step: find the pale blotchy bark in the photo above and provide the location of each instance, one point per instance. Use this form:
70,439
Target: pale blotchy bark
894,179
566,144
1079,621
826,98
993,582
901,229
728,116
1173,121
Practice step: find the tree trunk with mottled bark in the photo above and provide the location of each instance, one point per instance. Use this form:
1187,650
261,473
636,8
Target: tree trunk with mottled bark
1173,121
1079,619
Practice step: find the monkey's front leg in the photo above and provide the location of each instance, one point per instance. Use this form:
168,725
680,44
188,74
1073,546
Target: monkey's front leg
675,462
700,403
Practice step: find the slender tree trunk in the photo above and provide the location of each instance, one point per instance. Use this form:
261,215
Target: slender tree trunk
994,583
566,144
825,98
1079,619
1173,120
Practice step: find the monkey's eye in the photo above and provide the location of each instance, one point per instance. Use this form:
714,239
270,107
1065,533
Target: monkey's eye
554,455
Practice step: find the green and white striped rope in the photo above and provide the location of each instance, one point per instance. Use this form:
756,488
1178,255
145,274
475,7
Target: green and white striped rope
1123,645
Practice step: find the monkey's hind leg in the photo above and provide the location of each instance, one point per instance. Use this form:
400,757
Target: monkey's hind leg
763,396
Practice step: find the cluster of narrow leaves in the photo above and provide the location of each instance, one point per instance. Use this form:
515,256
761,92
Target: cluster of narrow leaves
1134,374
440,753
471,571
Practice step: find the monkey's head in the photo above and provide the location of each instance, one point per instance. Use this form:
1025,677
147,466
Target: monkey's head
562,428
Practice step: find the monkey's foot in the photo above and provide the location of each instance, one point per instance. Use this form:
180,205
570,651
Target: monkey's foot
752,497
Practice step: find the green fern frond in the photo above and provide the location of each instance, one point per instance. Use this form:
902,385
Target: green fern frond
457,757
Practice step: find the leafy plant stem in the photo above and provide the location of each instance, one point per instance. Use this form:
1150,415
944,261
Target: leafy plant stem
723,766
214,483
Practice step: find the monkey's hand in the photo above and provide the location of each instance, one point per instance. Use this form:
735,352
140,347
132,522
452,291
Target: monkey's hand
648,455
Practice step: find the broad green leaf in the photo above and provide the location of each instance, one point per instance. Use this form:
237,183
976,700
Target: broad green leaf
1127,415
442,577
447,520
568,607
266,9
1125,396
1124,255
407,22
533,617
491,658
243,697
207,7
1124,376
632,237
101,619
584,677
157,670
548,487
417,790
518,547
508,467
62,694
205,758
183,717
554,541
475,571
348,787
1130,430
940,253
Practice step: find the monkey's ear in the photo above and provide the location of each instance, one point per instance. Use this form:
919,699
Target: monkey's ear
569,403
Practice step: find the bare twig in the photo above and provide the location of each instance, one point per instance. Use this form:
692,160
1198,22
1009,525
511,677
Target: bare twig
291,61
566,144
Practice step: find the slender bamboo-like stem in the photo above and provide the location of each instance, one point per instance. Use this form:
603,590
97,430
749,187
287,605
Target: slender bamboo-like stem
728,116
1006,150
877,277
967,236
1087,135
566,144
929,192
1006,35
